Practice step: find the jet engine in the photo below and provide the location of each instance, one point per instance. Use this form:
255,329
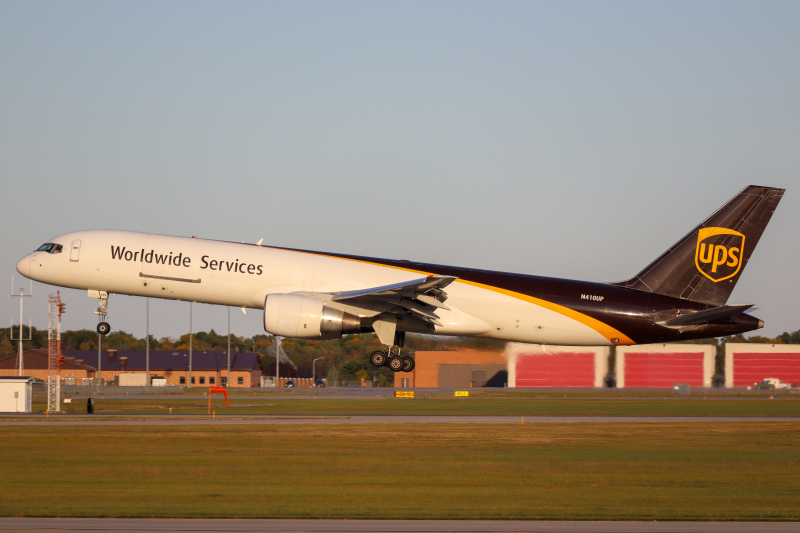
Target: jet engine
293,315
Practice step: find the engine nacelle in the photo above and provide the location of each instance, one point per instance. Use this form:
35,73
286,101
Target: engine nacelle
292,315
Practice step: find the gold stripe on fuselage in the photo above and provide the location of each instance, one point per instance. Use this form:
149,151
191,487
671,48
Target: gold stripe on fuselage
600,327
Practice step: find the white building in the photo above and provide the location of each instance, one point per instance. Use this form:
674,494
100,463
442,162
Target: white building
15,394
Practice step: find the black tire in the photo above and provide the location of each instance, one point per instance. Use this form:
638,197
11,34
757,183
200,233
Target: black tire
408,364
396,364
103,328
378,358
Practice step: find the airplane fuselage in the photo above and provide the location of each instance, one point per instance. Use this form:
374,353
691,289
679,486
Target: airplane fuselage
499,305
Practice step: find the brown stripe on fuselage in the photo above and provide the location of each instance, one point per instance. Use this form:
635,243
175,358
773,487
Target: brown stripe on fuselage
623,314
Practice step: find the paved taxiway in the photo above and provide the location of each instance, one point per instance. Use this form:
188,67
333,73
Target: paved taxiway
65,525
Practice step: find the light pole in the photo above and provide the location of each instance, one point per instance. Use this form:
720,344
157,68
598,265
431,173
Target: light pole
147,345
190,345
277,360
99,358
21,296
314,370
228,379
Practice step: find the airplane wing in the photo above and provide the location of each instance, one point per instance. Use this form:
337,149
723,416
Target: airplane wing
420,297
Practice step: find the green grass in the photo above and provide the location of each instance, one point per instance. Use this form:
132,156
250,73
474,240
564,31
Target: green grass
616,471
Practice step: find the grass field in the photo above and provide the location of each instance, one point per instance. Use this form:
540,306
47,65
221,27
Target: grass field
612,471
628,471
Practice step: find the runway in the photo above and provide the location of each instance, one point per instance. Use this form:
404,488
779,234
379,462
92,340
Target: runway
67,525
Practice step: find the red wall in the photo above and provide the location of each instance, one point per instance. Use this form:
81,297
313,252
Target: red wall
751,368
556,370
663,370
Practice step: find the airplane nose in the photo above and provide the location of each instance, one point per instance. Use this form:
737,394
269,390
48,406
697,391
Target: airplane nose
24,266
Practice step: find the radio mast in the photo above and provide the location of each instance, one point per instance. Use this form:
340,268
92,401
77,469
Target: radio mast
54,352
20,338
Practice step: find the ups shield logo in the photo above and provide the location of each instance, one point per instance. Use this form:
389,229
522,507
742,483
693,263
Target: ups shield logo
719,253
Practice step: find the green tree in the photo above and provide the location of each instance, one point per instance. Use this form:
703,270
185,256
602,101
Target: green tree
350,370
758,339
82,339
333,376
120,340
166,343
6,348
790,338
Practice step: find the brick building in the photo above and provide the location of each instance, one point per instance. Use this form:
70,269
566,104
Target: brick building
520,365
456,369
665,365
543,366
208,367
748,364
35,365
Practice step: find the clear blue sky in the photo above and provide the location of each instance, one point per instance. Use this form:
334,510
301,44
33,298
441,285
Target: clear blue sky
567,139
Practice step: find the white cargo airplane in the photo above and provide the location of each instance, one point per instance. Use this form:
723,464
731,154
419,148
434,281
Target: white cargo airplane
314,295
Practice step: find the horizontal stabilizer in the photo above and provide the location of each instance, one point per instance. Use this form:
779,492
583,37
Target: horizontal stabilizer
714,314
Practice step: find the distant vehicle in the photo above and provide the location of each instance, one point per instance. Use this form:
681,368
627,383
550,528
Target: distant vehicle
320,383
773,383
290,384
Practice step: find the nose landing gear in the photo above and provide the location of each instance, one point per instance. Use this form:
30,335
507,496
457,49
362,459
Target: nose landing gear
102,299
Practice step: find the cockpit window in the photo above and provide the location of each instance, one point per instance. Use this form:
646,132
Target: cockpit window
50,248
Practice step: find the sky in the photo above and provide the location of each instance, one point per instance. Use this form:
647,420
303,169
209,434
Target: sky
567,139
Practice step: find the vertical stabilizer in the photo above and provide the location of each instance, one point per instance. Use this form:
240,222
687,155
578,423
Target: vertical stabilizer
705,265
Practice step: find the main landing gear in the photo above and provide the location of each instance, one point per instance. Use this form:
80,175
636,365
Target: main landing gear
392,358
102,299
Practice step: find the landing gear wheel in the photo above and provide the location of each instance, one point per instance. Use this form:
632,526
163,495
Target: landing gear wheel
102,312
408,364
378,358
396,364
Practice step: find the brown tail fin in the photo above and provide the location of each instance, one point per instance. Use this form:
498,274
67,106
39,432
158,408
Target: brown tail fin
705,265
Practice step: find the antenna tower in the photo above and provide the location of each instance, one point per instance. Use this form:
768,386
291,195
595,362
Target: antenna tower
54,352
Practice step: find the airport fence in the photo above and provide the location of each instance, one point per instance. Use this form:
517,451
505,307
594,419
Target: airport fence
40,389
